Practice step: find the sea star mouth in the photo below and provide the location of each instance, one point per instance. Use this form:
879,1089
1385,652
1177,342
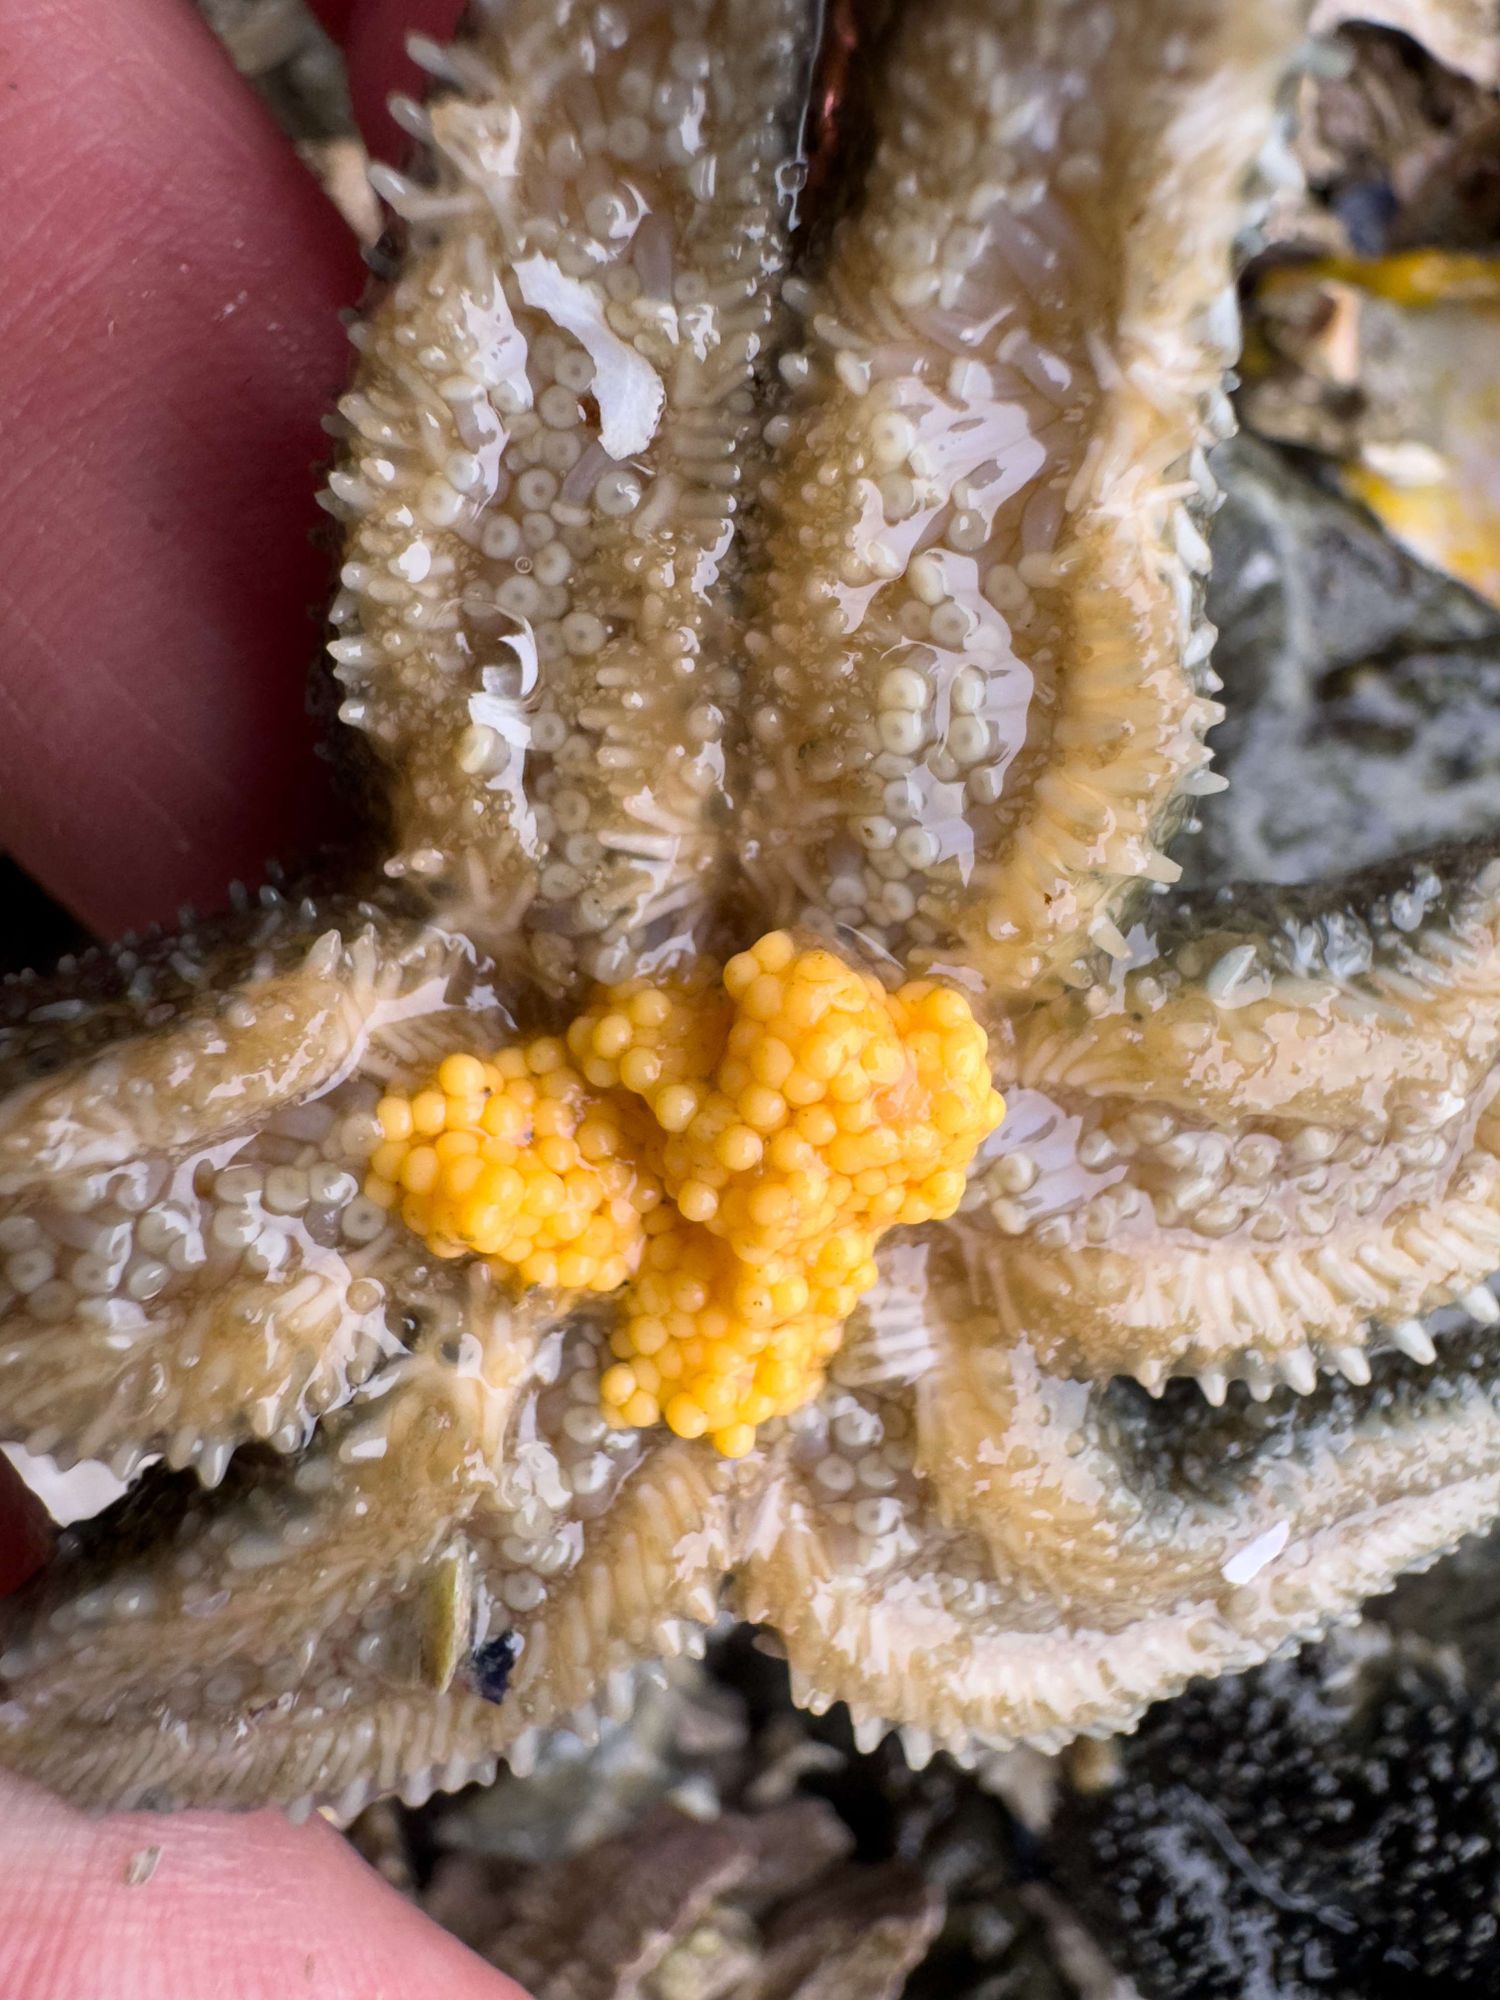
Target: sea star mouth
704,582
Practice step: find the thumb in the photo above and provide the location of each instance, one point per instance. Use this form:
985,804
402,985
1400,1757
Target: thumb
208,1906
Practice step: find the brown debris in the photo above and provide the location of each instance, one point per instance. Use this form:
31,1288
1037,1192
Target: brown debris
757,1907
854,1940
1462,34
1398,146
594,1926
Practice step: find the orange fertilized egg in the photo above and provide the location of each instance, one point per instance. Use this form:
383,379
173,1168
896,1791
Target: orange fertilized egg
726,1150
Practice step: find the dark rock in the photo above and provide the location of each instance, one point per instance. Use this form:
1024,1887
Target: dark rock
1362,689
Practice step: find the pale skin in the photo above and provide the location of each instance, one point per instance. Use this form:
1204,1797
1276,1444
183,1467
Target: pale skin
169,318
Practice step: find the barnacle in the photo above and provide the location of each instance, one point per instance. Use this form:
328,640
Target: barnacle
782,636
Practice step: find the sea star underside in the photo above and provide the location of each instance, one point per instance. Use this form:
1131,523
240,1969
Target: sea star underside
730,546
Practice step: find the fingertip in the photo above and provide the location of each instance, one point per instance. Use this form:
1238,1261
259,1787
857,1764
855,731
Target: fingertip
243,1906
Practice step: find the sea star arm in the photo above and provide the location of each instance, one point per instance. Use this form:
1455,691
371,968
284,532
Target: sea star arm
187,1260
977,676
335,1628
1071,1488
1232,1159
550,435
971,1595
442,1576
292,1603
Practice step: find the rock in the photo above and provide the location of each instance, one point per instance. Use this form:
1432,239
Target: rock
1363,689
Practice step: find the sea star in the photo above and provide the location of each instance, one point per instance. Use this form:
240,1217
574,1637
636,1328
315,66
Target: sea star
709,570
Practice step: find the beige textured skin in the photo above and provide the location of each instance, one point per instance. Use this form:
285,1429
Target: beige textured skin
1283,1125
599,643
1252,1140
1036,292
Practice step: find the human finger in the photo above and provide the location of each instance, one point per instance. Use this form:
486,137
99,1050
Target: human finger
242,1907
374,34
25,1530
170,278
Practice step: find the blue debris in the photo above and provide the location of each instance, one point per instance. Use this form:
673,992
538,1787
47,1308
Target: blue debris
492,1664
